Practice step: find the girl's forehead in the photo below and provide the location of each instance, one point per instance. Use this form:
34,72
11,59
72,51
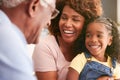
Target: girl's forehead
96,26
102,22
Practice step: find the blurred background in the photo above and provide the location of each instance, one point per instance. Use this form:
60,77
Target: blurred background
112,9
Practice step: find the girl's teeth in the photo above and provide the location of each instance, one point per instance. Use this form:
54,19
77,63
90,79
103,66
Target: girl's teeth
94,46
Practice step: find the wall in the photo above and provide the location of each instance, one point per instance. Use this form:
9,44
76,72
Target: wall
110,8
118,11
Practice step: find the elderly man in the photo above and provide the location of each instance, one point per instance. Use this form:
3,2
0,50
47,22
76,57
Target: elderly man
20,23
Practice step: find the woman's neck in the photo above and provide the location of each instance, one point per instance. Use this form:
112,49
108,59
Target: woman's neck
66,49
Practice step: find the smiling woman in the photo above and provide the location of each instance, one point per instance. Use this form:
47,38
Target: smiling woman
56,50
70,25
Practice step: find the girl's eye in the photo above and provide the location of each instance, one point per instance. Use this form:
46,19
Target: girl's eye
99,36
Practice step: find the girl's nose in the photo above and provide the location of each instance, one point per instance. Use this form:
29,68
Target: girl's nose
94,39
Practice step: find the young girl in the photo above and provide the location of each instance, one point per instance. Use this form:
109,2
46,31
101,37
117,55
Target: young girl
101,57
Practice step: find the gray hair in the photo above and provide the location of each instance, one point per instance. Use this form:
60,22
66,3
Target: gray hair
11,3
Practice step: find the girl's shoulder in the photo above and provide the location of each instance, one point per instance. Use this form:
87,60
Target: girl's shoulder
78,62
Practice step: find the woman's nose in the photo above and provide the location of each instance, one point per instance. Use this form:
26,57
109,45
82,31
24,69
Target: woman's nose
68,23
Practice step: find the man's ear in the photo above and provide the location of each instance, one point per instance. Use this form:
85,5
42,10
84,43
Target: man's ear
33,7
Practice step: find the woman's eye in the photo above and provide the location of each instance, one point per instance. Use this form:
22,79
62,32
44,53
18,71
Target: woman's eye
63,17
76,19
88,35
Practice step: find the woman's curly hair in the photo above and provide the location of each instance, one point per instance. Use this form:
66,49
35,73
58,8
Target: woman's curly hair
87,8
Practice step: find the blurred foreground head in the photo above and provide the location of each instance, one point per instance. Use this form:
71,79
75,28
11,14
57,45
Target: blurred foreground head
30,16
